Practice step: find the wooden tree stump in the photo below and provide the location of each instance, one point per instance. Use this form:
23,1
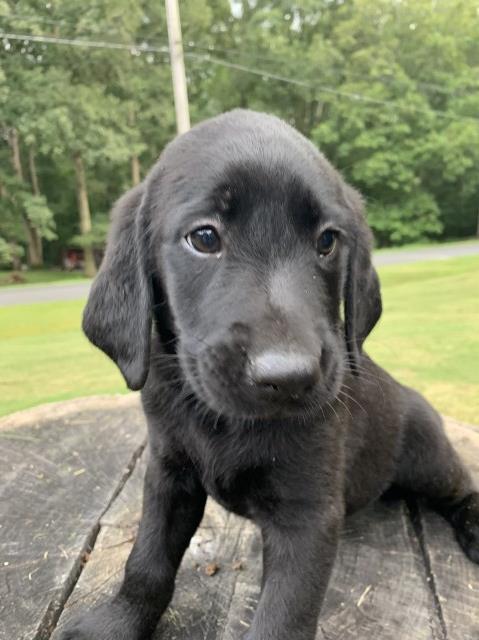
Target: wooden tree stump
71,499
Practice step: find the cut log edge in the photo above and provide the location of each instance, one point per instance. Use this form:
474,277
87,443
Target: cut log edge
418,531
54,410
54,610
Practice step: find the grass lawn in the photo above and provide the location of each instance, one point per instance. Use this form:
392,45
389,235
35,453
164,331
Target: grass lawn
39,276
45,357
428,338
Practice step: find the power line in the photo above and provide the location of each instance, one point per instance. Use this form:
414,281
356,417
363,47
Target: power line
89,44
24,17
437,88
39,20
147,48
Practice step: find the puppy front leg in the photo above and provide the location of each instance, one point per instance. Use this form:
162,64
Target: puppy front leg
297,563
173,505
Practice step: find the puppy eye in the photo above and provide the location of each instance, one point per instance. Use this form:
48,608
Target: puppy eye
204,240
327,242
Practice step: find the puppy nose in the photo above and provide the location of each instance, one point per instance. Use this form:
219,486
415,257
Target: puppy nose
289,373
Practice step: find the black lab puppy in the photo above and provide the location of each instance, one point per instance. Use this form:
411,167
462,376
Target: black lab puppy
237,291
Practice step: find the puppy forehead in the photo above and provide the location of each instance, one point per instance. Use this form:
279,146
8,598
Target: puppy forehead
253,156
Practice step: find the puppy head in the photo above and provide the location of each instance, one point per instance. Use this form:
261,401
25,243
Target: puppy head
244,243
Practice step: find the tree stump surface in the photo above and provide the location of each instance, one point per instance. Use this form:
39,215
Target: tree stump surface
71,485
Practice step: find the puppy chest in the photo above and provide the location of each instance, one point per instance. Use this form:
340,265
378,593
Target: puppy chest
246,492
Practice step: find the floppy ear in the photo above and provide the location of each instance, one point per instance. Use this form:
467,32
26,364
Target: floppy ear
117,317
362,295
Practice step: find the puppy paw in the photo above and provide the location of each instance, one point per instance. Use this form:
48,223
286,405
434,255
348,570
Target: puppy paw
465,521
107,622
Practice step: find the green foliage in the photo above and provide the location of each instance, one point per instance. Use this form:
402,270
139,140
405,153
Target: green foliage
5,254
413,220
420,62
96,238
39,214
18,205
388,90
9,251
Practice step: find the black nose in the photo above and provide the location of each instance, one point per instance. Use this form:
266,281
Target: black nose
289,373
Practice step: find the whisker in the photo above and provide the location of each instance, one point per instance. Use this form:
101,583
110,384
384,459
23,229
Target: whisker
344,405
346,395
334,410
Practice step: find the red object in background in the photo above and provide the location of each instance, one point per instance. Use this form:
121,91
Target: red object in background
73,259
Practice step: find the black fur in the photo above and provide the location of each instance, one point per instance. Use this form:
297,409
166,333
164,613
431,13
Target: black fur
190,329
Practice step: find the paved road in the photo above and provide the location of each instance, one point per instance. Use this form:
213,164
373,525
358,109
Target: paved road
79,290
440,252
28,294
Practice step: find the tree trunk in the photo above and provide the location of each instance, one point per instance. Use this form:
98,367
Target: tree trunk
135,170
84,213
34,259
477,228
16,160
16,262
36,192
33,172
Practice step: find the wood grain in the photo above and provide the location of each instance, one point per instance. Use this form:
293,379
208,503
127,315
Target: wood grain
76,479
454,579
58,476
201,601
379,588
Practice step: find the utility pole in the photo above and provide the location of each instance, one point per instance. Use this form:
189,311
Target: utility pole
177,66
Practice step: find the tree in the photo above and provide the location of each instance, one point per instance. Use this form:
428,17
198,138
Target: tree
407,141
389,90
23,195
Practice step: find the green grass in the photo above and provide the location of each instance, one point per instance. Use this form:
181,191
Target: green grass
45,357
428,338
39,276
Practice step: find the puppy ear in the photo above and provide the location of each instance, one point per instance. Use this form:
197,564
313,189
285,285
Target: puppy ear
362,295
117,317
